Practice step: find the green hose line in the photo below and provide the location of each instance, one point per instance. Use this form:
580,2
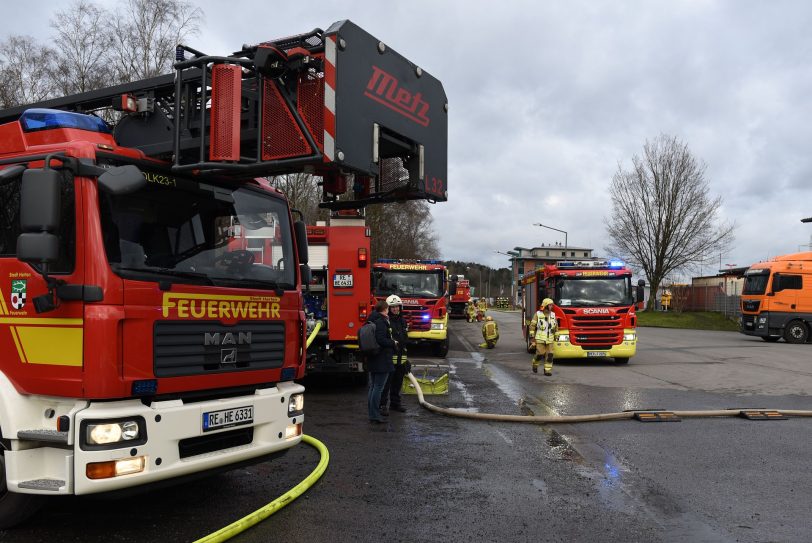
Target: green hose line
312,335
551,419
261,514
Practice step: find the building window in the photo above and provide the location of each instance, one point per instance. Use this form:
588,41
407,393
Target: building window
563,253
586,254
572,253
546,253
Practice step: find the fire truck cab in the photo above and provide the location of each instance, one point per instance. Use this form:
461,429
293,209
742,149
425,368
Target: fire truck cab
594,302
423,287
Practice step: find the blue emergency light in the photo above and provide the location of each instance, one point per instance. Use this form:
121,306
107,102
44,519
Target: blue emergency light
33,120
616,264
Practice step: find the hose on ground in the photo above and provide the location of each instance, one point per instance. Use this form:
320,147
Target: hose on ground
597,417
261,514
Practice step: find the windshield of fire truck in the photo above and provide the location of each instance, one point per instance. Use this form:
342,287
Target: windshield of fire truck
575,291
183,231
419,284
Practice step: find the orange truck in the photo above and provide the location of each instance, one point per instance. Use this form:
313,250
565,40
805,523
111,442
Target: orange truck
594,302
776,300
152,321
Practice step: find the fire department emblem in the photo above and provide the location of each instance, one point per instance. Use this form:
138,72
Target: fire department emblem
18,293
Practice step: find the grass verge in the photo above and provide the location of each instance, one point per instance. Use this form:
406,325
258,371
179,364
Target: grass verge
700,320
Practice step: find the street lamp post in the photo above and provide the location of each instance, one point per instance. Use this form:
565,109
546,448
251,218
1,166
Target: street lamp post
556,229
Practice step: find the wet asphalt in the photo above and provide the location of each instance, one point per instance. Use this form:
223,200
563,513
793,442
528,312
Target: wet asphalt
427,477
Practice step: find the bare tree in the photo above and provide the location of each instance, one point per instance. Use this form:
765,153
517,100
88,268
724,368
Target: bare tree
663,217
82,39
25,71
304,193
145,35
402,230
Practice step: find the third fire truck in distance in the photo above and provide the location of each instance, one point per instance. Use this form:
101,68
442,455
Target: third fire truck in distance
422,285
459,296
339,292
594,305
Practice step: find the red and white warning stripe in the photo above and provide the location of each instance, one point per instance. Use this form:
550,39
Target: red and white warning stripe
330,99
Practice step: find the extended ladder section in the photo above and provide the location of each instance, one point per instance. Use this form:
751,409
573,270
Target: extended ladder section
338,103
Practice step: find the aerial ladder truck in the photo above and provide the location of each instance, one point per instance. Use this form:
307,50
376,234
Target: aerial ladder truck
140,341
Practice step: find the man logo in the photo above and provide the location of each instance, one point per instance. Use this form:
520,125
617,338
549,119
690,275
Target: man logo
228,338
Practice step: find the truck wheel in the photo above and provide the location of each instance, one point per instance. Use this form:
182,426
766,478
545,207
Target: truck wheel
15,508
796,332
441,349
623,360
771,339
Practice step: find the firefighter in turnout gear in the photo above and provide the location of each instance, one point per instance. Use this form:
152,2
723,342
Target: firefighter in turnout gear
542,329
490,331
470,311
390,397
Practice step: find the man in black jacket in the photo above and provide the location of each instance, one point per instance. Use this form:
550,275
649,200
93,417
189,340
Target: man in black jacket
380,364
400,329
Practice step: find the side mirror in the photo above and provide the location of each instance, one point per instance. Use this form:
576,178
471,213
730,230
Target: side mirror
40,204
640,294
122,180
307,275
300,231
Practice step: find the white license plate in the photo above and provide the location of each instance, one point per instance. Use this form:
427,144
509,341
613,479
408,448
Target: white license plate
595,353
342,280
226,418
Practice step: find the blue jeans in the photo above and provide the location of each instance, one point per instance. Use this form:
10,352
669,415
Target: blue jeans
377,380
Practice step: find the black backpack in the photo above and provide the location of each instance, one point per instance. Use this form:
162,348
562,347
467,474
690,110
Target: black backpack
367,343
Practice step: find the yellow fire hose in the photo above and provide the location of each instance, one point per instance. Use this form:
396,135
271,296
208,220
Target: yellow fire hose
551,419
261,514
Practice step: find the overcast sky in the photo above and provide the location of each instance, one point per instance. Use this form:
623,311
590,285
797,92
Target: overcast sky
547,98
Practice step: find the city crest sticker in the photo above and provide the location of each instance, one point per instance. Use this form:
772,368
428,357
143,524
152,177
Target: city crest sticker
18,293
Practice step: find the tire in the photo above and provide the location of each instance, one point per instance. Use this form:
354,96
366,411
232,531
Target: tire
621,360
15,508
441,349
771,339
796,332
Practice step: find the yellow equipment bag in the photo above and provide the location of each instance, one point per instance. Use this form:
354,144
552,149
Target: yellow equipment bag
433,379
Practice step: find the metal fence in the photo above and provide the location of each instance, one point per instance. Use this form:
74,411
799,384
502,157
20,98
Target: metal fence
691,298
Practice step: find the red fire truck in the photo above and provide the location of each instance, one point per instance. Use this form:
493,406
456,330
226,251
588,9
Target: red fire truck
458,300
339,292
423,287
594,304
139,341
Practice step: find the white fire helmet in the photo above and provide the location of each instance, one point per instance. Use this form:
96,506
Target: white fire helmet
394,299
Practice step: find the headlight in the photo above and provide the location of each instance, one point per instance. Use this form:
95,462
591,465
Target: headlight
629,337
296,404
437,326
105,433
563,337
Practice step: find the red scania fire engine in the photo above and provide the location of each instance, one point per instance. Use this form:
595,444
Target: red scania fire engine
423,287
151,305
594,304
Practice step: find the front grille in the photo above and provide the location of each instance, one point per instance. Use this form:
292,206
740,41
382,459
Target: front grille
750,305
180,347
596,331
419,318
195,446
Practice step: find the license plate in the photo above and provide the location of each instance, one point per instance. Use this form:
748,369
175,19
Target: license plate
342,280
226,418
595,353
